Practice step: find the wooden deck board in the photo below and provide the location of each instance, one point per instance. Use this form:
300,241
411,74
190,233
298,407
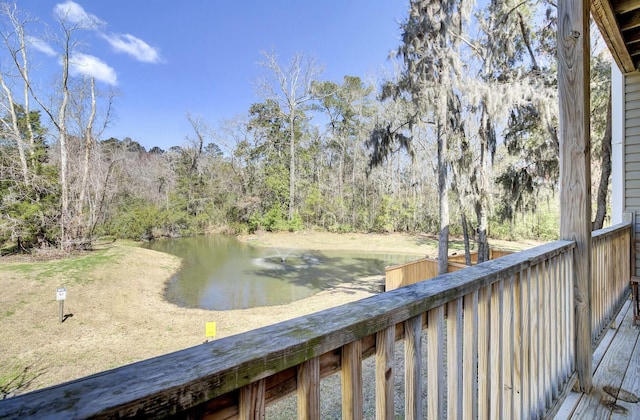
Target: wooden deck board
631,384
600,351
610,372
574,400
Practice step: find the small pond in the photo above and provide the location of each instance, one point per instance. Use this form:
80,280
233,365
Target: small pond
222,273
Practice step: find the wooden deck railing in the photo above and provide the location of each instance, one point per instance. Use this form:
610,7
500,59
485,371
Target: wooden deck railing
610,275
498,338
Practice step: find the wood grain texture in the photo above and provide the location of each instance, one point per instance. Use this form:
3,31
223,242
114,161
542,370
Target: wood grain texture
518,351
554,332
527,405
413,368
572,314
385,344
308,389
436,385
536,378
575,165
455,366
631,383
484,373
495,377
610,372
627,363
352,381
508,354
605,18
470,357
545,349
252,405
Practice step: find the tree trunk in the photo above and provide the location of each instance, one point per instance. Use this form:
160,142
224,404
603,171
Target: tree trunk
340,182
88,145
483,240
465,233
64,154
482,202
443,197
603,187
292,164
15,130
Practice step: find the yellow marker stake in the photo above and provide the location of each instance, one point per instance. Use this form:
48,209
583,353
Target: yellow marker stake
210,329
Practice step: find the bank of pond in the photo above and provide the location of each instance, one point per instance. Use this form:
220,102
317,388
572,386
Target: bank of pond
222,273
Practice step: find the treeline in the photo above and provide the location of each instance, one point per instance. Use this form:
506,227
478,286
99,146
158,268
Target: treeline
309,154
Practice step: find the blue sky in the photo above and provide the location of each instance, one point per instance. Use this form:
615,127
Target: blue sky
167,58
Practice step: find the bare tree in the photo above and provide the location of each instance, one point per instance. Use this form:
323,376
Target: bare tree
291,88
15,43
73,190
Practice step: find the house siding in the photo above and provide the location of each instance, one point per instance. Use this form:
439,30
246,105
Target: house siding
631,136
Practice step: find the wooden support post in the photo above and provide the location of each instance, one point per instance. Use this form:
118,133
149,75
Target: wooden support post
575,172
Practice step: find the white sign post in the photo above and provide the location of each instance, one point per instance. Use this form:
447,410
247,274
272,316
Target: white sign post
61,295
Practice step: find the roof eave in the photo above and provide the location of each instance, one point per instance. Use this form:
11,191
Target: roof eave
605,18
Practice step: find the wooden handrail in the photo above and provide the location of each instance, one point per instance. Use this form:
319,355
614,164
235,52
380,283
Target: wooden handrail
624,227
198,379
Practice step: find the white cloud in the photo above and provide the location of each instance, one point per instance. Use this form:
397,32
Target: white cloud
41,46
88,65
135,47
72,12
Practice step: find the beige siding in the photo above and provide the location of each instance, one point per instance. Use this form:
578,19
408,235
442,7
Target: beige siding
632,153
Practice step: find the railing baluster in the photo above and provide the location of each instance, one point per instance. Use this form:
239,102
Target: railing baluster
385,344
352,380
554,330
455,367
308,389
563,369
566,318
484,378
518,349
527,348
571,312
413,368
535,342
597,292
496,375
435,364
548,333
470,362
508,359
252,403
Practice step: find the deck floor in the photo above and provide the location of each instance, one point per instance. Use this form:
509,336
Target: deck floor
616,364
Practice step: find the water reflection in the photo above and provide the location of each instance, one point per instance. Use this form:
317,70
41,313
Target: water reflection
223,273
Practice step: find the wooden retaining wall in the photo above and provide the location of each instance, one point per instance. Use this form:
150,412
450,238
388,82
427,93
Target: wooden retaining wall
427,268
